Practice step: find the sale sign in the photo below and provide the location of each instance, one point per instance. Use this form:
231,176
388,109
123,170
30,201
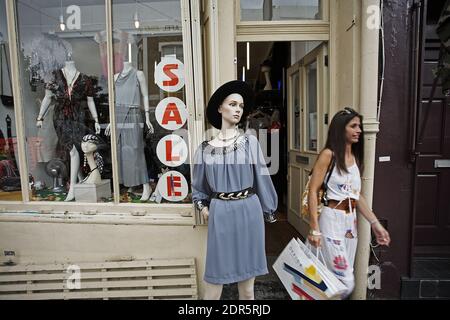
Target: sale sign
171,113
172,150
169,74
173,186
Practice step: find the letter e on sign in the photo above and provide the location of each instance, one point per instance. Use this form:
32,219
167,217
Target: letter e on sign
173,186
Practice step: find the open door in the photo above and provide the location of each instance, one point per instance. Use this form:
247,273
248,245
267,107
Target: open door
308,105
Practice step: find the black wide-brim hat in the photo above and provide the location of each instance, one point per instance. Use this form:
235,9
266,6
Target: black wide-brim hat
235,86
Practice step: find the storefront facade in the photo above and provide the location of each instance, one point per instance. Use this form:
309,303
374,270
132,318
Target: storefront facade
185,49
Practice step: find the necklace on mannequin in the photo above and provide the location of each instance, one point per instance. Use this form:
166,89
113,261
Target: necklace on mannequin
236,134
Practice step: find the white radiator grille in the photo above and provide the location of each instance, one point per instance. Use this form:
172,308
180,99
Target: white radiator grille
141,279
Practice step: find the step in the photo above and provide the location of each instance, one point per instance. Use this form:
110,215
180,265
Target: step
427,289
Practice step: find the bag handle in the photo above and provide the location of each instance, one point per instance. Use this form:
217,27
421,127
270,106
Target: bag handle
318,250
325,184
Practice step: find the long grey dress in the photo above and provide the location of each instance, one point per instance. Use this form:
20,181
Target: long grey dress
236,246
130,139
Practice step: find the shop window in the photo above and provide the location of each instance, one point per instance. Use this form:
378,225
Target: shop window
64,99
276,10
150,102
311,106
69,131
10,188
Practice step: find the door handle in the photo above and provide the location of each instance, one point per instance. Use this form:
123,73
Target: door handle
442,163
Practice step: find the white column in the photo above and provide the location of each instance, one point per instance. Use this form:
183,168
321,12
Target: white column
368,108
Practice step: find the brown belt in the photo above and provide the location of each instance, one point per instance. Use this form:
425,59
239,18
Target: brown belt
344,205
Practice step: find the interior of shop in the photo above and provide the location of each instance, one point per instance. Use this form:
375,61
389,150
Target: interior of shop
264,65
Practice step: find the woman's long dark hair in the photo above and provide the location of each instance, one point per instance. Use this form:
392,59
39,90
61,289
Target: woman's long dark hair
336,139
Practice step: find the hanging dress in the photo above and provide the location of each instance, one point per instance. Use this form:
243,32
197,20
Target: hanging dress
130,139
69,116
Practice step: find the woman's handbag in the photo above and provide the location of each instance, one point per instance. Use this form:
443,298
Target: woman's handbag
322,194
7,101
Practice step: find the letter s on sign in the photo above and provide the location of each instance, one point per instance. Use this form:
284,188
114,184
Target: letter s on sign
169,74
173,77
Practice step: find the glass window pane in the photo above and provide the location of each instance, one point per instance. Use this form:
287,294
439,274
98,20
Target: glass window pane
311,104
275,10
295,82
10,188
150,111
64,92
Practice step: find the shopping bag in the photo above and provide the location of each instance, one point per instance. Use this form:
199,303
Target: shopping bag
304,276
336,287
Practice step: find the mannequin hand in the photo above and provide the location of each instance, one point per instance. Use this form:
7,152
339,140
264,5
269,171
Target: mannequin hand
381,234
108,130
97,128
205,213
149,126
39,123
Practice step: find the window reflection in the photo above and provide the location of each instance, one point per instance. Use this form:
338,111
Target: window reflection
10,187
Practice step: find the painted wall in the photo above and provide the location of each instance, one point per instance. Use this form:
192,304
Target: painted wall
42,243
344,54
393,189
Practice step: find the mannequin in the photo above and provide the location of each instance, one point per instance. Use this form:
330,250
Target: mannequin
130,85
235,246
92,158
265,69
69,88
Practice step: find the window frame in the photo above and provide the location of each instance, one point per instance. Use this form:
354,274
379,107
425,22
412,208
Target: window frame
317,55
166,213
283,30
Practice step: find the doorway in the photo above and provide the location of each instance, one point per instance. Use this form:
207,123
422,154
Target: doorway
290,80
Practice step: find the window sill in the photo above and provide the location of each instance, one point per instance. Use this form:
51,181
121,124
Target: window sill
182,215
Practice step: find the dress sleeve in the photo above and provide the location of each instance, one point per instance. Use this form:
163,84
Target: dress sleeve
51,83
200,187
89,87
262,183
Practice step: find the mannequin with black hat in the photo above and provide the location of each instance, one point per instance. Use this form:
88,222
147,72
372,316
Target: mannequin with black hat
232,189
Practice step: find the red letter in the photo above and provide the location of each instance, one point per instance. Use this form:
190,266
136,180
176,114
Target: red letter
173,77
169,156
171,114
172,183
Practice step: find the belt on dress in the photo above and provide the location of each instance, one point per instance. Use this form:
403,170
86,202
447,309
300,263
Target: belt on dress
346,205
236,195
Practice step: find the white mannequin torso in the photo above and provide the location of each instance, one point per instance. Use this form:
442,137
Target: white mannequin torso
127,66
71,74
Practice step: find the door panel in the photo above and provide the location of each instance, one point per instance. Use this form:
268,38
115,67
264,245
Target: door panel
307,104
432,201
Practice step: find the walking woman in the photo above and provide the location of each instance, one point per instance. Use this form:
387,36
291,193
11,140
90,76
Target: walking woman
232,189
340,164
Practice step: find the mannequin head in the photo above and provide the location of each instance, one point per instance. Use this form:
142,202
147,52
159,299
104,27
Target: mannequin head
89,143
232,109
231,102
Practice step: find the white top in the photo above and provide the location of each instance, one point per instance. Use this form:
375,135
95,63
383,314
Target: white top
345,185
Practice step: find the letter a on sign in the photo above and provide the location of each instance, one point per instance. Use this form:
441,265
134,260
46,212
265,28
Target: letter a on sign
169,74
171,113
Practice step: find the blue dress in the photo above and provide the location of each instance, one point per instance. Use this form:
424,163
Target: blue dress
236,244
